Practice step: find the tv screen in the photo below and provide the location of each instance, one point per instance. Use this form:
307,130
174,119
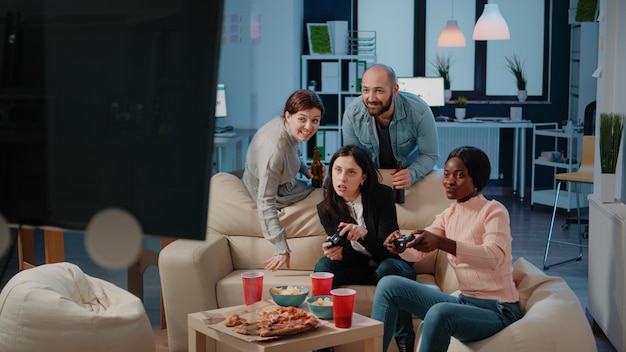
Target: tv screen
428,88
108,105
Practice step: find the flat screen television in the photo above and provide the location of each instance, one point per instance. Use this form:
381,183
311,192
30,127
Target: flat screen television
108,104
428,88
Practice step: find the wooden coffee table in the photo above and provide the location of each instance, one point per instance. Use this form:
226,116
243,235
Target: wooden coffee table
364,329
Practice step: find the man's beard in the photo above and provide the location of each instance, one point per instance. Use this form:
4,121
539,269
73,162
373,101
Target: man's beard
379,109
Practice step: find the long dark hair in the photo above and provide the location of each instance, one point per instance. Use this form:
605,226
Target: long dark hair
335,204
303,99
477,163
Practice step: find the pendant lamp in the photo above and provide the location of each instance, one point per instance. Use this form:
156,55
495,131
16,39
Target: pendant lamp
491,25
451,36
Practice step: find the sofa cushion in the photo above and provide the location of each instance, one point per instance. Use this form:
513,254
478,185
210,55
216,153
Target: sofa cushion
230,293
423,200
251,252
233,212
229,290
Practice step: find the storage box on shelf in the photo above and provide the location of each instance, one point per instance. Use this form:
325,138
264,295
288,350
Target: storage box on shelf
558,160
336,79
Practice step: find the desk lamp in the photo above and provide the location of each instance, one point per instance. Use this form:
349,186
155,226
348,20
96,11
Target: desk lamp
220,102
220,107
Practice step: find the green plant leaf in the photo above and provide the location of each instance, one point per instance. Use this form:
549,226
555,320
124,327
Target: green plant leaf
611,128
516,66
442,65
586,10
320,39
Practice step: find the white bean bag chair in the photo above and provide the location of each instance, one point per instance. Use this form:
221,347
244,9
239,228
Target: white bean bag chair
57,307
553,318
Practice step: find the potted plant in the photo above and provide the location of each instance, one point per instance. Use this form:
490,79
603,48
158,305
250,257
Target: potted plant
516,66
586,10
442,66
567,126
459,110
611,128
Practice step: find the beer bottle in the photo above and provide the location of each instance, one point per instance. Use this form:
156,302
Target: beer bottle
316,169
399,194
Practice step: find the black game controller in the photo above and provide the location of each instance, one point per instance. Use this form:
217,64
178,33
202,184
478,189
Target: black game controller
336,239
400,242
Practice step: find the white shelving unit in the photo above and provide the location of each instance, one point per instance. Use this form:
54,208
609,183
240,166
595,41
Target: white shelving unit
583,62
567,196
336,83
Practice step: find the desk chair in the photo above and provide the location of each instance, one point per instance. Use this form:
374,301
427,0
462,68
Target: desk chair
584,174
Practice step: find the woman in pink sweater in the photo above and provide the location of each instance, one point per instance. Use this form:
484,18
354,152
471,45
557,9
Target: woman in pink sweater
475,233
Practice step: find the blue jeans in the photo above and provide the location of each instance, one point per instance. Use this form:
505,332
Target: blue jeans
465,318
346,274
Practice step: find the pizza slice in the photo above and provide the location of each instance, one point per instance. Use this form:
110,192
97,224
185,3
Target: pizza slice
287,327
275,321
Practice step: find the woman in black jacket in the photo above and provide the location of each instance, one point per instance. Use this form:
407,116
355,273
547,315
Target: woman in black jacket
362,212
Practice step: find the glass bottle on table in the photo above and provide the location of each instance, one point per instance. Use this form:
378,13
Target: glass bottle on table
316,169
399,193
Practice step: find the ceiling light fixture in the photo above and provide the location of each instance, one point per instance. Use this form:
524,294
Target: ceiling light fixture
491,25
451,36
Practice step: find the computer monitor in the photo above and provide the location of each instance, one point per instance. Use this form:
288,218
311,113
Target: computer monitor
108,105
428,88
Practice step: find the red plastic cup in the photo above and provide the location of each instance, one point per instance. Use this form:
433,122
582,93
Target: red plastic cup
252,286
321,283
343,306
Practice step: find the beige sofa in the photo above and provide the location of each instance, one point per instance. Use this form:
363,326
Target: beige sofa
203,275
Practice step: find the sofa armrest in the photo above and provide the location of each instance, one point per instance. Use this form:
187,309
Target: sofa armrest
553,318
189,272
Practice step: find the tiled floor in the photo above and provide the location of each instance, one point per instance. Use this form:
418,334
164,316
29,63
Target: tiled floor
529,228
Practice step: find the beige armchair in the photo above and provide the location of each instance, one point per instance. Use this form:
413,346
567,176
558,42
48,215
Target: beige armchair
553,318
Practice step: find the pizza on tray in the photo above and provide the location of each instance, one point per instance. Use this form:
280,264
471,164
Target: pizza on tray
273,321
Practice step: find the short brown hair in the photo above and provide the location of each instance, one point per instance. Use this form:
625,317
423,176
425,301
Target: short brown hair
303,99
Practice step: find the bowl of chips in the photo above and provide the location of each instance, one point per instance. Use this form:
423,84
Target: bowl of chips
321,306
289,296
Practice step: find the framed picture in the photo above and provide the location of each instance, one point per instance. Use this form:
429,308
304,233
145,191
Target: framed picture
319,38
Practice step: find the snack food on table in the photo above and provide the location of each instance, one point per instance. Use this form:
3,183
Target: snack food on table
274,321
289,290
326,301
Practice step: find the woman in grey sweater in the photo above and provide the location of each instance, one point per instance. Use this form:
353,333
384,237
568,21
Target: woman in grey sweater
273,163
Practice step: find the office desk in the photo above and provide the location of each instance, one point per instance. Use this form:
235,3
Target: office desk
240,141
467,127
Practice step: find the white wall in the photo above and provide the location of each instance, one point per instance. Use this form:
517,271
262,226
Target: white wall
260,58
612,81
393,23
